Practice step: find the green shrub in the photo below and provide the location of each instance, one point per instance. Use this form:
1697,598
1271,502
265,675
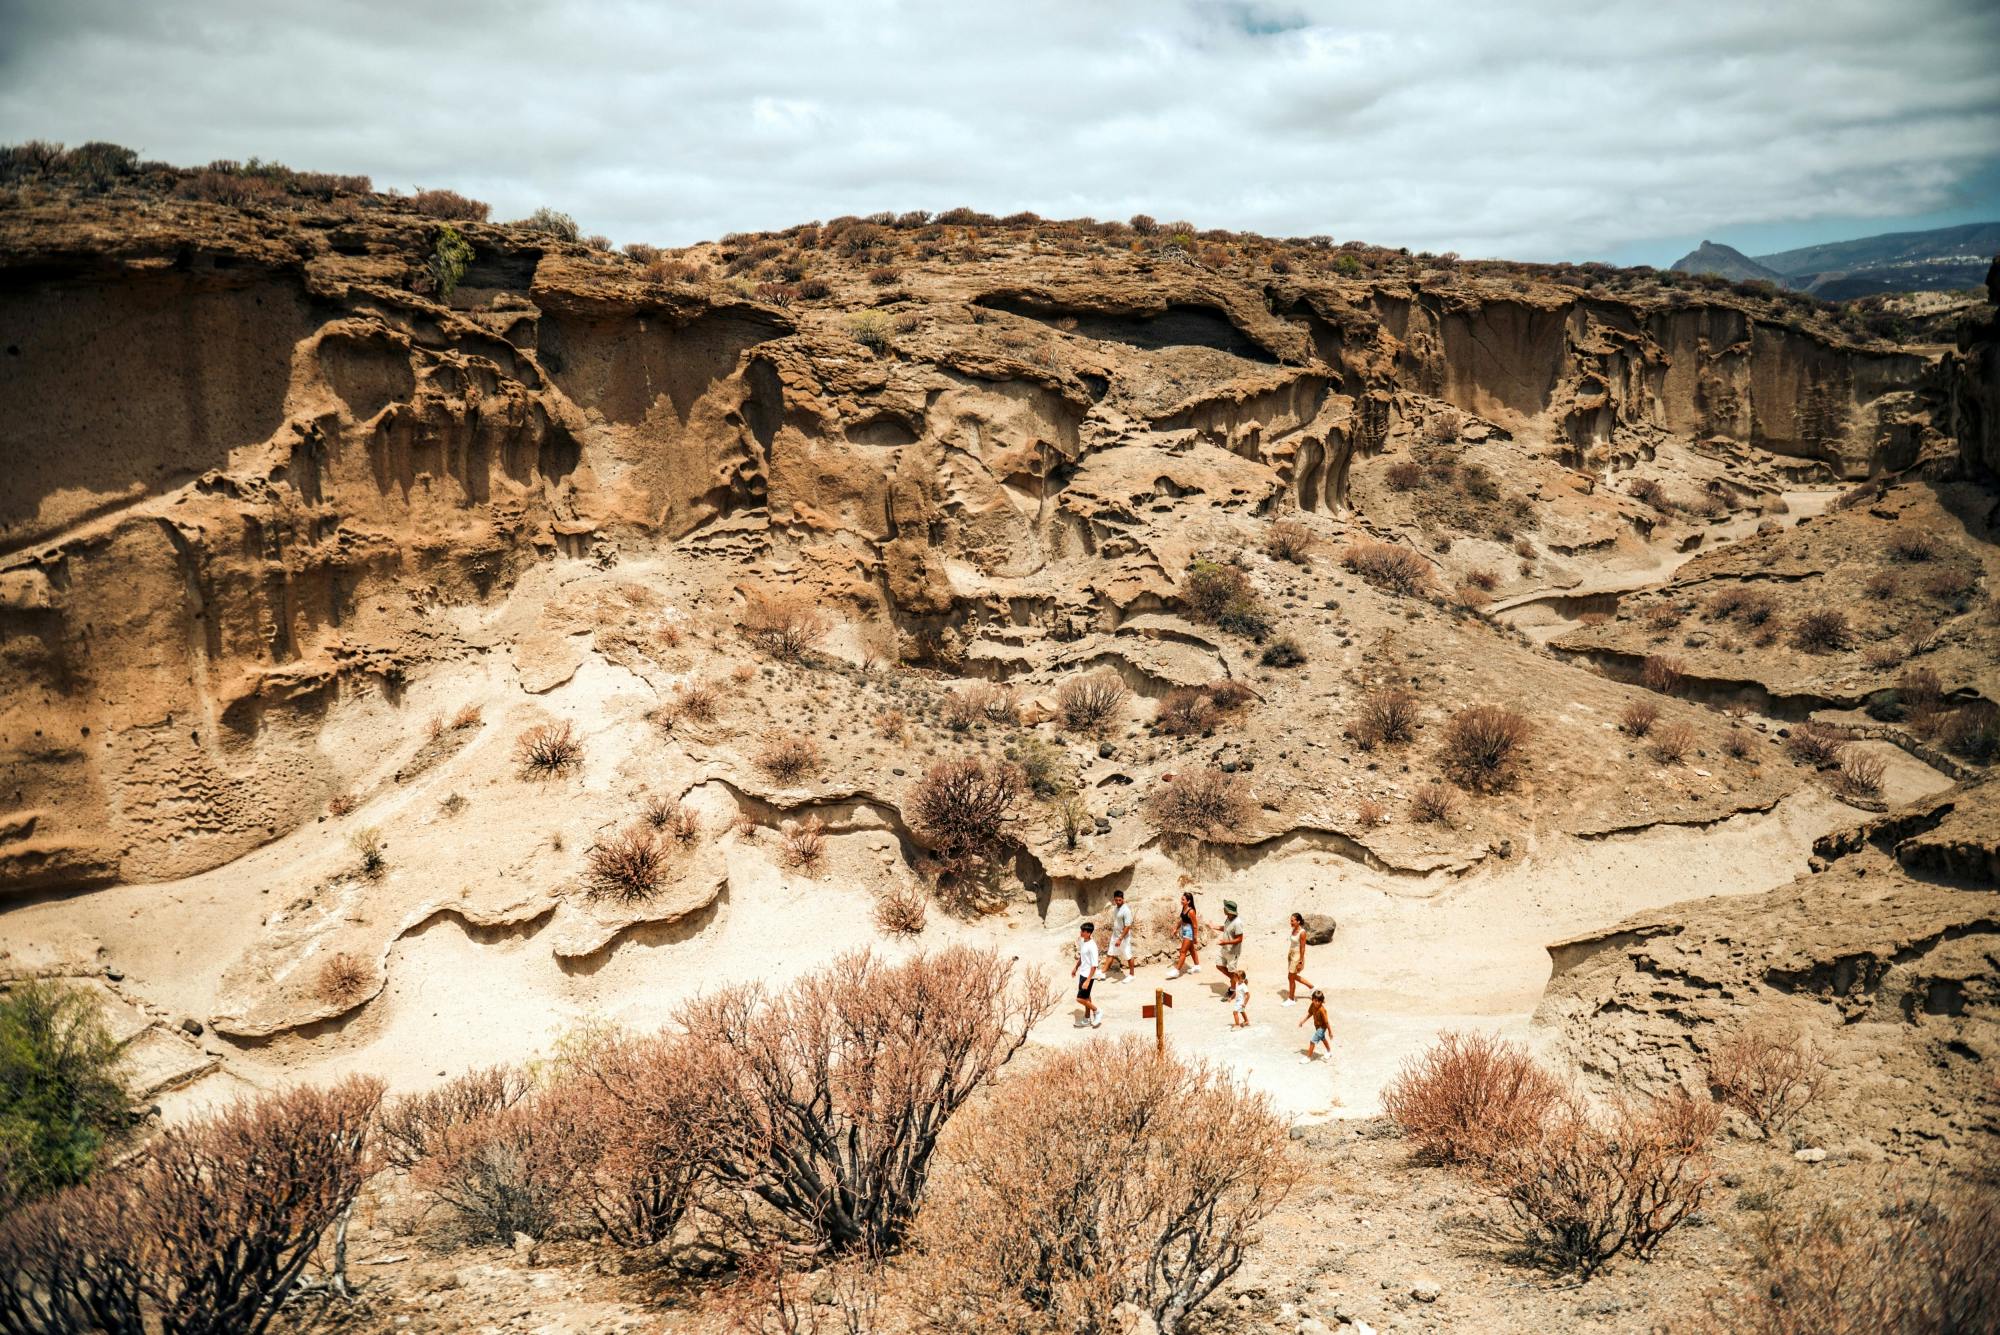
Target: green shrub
449,256
558,225
61,1098
1221,595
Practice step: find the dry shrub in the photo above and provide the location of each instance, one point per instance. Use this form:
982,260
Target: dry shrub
1913,546
964,811
1289,540
1951,584
1821,631
368,849
1663,617
1444,425
1662,674
1583,1191
1434,804
1229,696
957,711
1482,747
1919,689
786,623
416,1126
1814,745
342,978
1222,595
1388,566
836,1090
549,748
1882,586
1468,1097
434,727
1283,652
698,700
892,724
1673,743
1860,774
1068,1196
643,1106
771,1298
1205,805
803,847
1185,712
1883,655
1771,1074
208,1230
511,1171
996,704
1915,1266
340,804
450,205
787,757
902,909
1386,717
1368,813
1736,744
1087,704
1485,580
1972,731
1404,475
629,865
1638,717
467,717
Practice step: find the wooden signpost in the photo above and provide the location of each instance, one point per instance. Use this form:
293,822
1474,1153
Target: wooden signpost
1157,1013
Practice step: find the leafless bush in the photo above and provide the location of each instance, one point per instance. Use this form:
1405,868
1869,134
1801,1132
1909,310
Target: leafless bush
1088,703
514,1170
1771,1074
1185,712
1468,1097
449,205
1916,1266
1821,631
645,1106
342,978
1386,716
902,909
1662,674
1388,566
1638,717
964,811
1673,743
1736,744
1434,804
1444,425
1053,1207
698,700
1207,804
787,757
1913,546
1483,745
1812,744
340,804
786,623
1289,540
208,1230
1368,813
803,845
549,748
629,865
1972,731
996,704
1405,475
1860,774
416,1126
1582,1191
837,1089
1919,689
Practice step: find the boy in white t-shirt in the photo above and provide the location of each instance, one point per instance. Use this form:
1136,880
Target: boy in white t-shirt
1086,974
1241,995
1121,936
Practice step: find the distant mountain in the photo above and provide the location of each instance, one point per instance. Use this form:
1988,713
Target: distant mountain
1726,261
1944,259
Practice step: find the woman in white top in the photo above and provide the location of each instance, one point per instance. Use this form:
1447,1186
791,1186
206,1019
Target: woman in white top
1295,961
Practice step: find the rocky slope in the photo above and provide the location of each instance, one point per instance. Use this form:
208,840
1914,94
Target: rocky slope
263,467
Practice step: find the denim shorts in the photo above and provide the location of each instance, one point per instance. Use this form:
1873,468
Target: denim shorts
1319,1035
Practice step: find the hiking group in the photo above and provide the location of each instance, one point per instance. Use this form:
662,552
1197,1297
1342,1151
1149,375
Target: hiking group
1094,960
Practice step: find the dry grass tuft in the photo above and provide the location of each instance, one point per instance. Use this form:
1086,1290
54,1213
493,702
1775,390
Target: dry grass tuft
1434,804
1368,813
1638,717
1821,632
788,758
1674,742
467,717
1207,804
342,978
901,910
549,749
803,845
1289,540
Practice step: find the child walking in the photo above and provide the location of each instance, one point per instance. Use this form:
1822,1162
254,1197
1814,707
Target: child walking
1322,1028
1241,993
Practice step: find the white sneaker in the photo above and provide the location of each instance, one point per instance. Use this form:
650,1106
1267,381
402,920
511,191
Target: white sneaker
1305,1061
1290,1001
1096,1021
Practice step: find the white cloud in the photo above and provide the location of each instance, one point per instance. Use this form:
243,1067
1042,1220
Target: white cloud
1551,130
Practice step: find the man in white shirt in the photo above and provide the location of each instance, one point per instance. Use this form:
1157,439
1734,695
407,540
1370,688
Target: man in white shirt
1086,974
1121,935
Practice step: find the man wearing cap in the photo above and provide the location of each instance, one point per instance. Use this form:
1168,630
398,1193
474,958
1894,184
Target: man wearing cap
1086,974
1230,933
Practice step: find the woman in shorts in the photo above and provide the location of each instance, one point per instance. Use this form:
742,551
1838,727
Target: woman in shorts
1188,957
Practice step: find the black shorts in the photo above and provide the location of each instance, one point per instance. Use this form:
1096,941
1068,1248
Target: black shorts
1083,989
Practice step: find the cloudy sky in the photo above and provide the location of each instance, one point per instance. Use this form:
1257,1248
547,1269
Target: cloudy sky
1623,131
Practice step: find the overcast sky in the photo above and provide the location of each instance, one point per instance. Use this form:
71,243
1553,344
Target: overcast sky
1624,131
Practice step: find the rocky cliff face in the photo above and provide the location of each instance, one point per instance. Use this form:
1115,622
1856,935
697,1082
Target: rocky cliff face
1975,390
254,459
